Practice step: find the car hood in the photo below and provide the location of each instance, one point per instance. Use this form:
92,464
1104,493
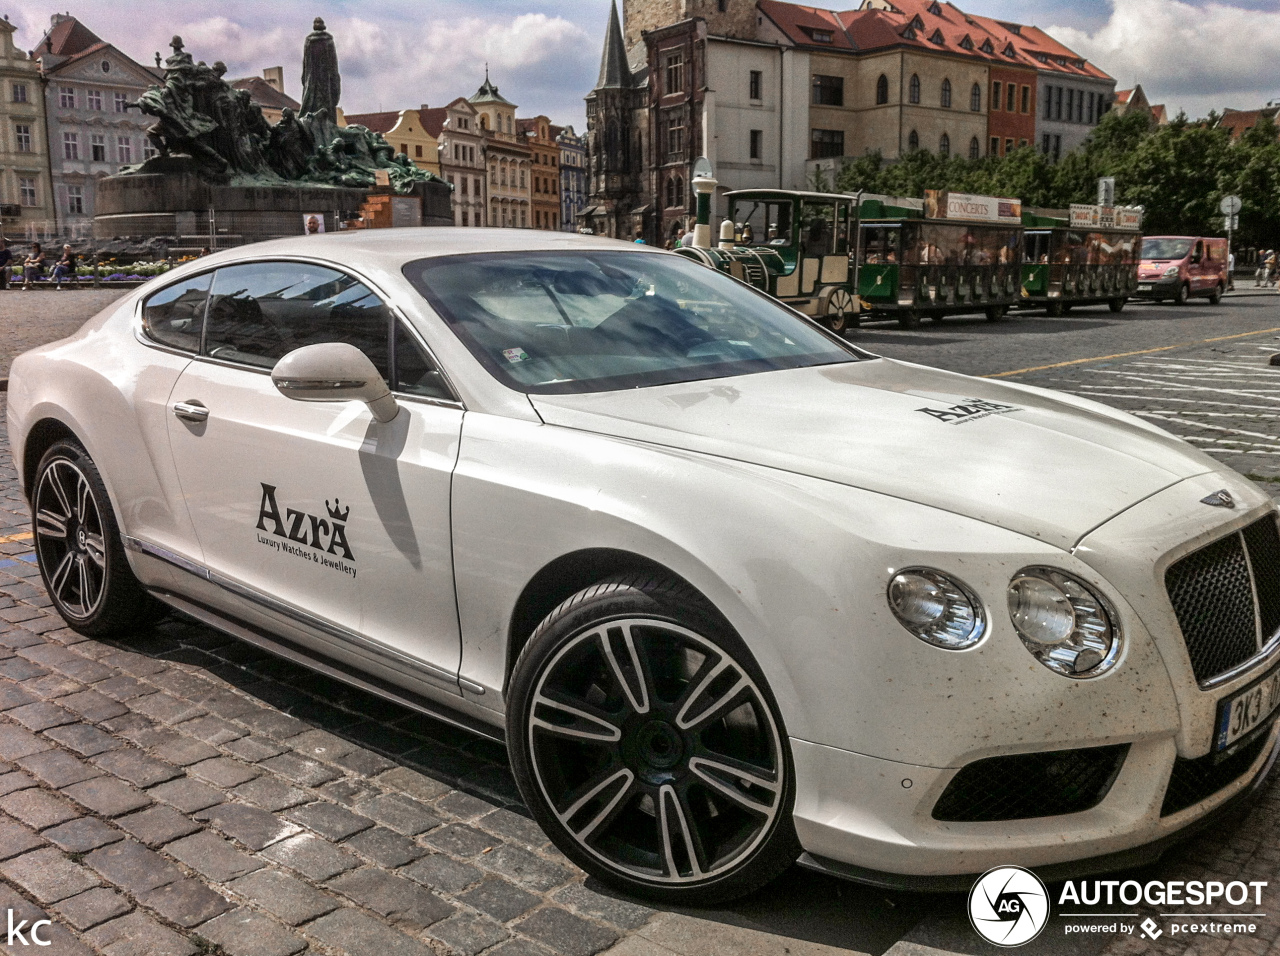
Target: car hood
1044,464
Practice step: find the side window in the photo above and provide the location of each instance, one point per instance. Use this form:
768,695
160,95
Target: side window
259,313
416,373
175,316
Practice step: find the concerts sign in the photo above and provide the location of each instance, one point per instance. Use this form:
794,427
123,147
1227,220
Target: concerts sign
942,204
1084,216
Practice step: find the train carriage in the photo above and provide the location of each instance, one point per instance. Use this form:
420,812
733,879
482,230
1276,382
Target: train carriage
1083,256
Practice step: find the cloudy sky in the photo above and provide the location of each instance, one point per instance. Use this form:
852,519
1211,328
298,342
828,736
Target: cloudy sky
1195,55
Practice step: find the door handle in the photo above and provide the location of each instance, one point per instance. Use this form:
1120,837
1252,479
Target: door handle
191,411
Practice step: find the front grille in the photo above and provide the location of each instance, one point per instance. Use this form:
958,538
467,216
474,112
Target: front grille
1199,779
1212,591
1030,785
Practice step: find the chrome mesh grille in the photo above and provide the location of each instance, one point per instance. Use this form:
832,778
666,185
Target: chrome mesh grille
1263,541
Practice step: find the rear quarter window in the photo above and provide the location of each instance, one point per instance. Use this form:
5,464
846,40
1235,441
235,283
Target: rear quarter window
174,316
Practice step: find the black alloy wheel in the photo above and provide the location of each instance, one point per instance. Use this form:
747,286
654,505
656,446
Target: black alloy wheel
647,745
78,548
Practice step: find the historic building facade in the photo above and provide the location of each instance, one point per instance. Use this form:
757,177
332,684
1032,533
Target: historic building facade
462,159
267,93
544,172
573,176
406,133
88,86
26,197
507,158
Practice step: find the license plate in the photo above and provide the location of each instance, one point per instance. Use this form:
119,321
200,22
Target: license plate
1248,709
1144,286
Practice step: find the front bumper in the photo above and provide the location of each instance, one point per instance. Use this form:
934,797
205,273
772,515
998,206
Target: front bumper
1161,288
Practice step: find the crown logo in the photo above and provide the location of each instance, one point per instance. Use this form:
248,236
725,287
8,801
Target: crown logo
335,509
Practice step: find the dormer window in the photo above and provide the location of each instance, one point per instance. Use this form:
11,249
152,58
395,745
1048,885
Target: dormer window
908,33
820,36
1062,61
917,23
937,38
966,43
987,47
1009,50
935,8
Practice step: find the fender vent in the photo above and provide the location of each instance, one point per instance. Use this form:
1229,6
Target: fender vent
1030,785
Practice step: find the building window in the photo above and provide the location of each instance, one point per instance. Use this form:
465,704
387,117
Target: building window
757,144
67,97
523,181
1080,106
75,200
1057,103
1044,144
675,72
124,149
914,95
975,149
122,102
23,136
882,90
1026,99
825,143
675,139
1008,146
466,218
1071,104
995,95
98,148
148,150
1048,105
755,85
465,180
1057,148
1092,100
27,191
94,99
70,145
106,66
477,185
975,98
946,95
913,141
524,219
1011,98
417,151
828,90
19,92
995,146
944,145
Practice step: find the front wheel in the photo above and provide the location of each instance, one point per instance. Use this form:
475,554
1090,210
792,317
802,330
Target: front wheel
78,547
1056,309
646,743
1183,293
1116,305
996,312
1216,295
910,319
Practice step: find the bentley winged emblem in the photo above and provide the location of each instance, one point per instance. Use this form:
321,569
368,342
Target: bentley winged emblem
1219,499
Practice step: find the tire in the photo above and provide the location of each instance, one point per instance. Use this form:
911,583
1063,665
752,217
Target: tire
78,548
653,799
841,311
909,319
1056,309
1117,305
1216,295
996,312
1183,294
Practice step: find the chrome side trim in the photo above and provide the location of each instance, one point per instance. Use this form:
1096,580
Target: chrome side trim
398,658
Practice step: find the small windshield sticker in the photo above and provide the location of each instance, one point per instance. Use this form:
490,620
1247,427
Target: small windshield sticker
970,411
515,355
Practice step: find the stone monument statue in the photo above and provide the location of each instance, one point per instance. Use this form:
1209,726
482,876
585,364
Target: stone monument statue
321,84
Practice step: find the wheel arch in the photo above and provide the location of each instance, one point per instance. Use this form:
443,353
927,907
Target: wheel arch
42,436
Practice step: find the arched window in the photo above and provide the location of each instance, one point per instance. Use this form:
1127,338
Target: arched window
914,95
975,150
944,145
484,121
913,141
882,90
975,98
946,94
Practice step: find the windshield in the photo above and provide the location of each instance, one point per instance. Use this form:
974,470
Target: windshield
558,322
1165,248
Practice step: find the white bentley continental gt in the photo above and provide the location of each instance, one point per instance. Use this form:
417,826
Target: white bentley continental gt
733,591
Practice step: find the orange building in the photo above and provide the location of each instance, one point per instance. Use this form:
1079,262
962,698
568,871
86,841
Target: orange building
544,172
1011,119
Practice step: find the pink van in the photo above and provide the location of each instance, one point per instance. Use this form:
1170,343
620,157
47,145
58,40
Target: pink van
1178,267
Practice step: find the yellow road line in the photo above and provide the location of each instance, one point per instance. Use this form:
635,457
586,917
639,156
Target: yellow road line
24,536
1103,358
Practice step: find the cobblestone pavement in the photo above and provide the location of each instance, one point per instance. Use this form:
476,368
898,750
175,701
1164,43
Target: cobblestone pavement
182,793
31,318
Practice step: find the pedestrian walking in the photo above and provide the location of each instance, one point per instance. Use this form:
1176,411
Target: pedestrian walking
32,266
6,263
1231,272
64,268
1269,269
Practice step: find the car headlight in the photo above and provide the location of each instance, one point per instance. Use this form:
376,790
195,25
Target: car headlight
1066,626
937,608
1171,271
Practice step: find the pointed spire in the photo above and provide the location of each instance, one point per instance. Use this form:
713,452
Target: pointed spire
614,71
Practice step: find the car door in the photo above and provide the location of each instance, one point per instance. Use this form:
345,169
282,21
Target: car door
315,509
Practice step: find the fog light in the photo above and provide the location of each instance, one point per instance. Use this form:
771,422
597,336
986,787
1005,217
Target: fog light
936,608
1065,625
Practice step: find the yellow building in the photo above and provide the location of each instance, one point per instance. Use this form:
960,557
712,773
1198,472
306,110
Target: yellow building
405,131
26,196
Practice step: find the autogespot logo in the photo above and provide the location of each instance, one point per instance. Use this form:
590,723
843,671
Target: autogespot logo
1008,906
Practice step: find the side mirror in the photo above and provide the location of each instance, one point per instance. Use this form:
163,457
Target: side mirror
334,372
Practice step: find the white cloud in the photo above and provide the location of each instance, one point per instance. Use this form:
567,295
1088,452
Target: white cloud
1191,57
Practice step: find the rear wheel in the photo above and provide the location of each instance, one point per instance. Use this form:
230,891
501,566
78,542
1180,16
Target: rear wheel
646,743
841,312
1216,295
909,319
1056,309
996,312
1181,296
1117,305
78,547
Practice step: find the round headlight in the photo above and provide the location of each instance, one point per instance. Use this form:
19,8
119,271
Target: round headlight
1065,625
936,608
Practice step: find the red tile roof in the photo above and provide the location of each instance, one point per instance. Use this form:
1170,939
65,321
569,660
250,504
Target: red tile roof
801,24
382,122
1240,121
67,37
433,120
263,94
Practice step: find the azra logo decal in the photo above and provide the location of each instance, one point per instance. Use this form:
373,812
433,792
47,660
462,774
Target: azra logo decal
970,411
1008,906
319,537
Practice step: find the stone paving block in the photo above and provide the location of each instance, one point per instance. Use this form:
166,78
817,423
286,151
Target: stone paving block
138,935
123,687
502,900
213,857
271,793
16,839
48,875
347,791
223,772
566,933
210,729
187,795
92,907
385,847
187,903
128,725
353,933
524,947
86,672
157,826
328,819
38,809
514,828
15,668
83,835
283,896
305,773
403,814
19,613
84,739
251,826
166,708
136,766
320,745
364,762
253,749
469,934
463,806
393,897
13,695
108,796
443,873
14,781
181,684
526,868
311,856
93,706
130,865
417,785
273,723
172,747
58,768
226,704
242,932
16,742
458,839
139,665
42,715
53,687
